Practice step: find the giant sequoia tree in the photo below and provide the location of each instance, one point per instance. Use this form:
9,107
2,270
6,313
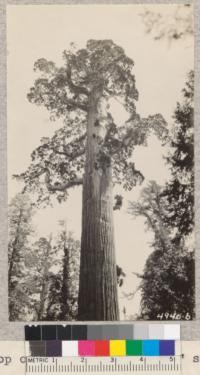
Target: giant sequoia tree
90,149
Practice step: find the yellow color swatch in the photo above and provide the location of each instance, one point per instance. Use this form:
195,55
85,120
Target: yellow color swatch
117,348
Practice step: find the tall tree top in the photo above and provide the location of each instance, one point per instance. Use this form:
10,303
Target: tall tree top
102,71
102,66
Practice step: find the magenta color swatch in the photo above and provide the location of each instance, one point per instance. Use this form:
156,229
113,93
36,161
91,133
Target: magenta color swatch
86,348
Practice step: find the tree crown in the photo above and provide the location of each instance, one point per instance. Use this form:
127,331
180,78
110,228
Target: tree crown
58,163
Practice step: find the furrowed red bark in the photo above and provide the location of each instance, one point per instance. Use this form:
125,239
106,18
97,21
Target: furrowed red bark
98,298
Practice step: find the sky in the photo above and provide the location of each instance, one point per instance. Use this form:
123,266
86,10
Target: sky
160,71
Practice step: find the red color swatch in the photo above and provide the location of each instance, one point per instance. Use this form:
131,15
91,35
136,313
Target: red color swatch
102,348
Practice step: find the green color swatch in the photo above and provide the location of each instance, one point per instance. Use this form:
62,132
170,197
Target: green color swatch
133,347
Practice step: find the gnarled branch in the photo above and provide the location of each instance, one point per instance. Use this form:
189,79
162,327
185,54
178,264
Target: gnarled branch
80,152
60,187
75,88
73,104
72,155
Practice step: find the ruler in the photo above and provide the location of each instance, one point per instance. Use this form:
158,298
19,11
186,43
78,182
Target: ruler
106,366
13,361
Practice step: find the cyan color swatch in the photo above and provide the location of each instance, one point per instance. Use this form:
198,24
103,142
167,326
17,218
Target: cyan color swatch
150,348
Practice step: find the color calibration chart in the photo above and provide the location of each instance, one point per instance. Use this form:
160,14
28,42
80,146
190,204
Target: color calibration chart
14,359
103,340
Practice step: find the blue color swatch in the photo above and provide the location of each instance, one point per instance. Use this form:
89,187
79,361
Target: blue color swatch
167,347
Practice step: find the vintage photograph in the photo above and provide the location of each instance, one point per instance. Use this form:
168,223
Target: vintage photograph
100,105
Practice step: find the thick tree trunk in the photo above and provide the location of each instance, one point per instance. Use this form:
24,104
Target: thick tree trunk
98,298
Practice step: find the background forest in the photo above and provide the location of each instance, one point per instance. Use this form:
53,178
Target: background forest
45,260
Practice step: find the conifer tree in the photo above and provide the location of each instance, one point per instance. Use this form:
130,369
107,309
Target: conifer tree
93,151
20,226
